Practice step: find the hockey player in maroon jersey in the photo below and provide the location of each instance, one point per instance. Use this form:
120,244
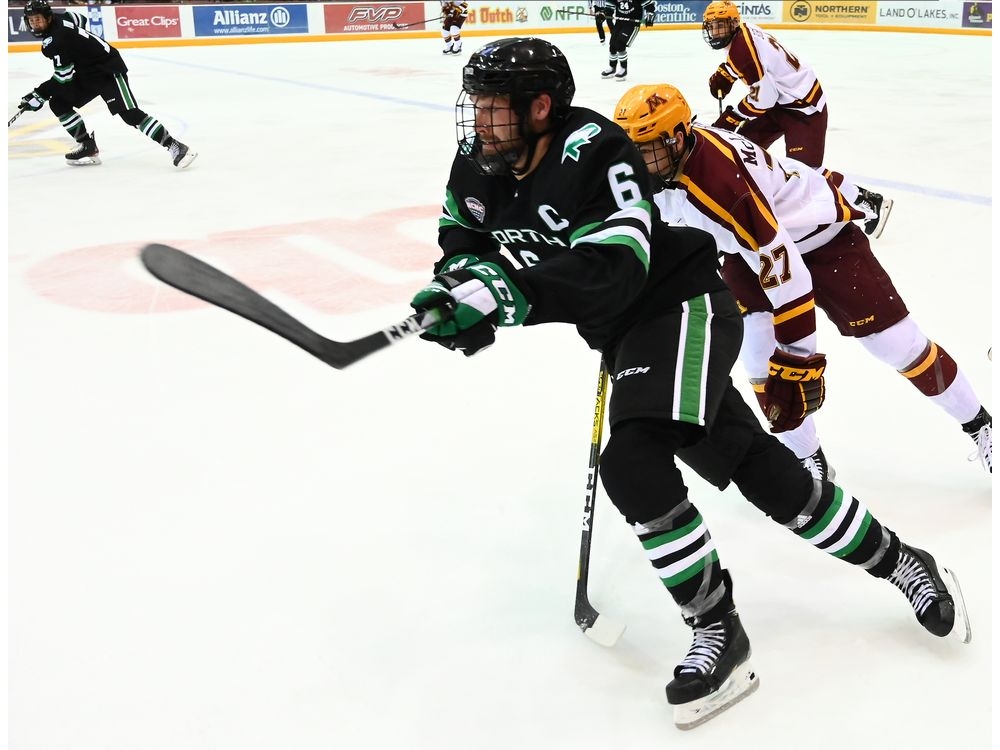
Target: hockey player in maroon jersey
86,67
785,99
547,219
790,245
453,17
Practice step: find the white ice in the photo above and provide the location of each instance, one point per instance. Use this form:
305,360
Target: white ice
215,541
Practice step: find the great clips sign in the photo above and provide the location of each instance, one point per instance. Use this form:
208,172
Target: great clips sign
148,22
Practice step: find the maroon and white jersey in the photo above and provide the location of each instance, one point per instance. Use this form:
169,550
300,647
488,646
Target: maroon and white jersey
766,209
776,77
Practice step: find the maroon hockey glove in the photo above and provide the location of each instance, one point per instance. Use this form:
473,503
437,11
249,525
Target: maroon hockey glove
795,388
729,120
720,83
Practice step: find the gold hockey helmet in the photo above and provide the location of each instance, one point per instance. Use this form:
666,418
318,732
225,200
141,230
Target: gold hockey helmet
720,23
649,112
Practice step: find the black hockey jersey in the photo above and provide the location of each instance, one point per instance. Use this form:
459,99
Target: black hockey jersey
76,54
632,10
578,231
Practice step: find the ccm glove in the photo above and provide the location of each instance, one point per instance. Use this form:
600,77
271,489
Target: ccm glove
720,83
649,17
479,297
729,120
794,389
32,101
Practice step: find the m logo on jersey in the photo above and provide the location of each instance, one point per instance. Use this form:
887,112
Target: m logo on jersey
579,138
476,208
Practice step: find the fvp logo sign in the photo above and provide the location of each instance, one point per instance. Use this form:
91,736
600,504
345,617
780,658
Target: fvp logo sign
375,14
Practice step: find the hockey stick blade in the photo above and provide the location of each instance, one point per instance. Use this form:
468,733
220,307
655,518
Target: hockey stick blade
192,276
599,628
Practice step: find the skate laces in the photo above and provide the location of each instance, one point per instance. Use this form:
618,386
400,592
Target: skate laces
984,447
914,580
709,643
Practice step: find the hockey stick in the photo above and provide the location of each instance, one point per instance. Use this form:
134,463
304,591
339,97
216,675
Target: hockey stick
720,96
19,113
599,628
190,275
415,23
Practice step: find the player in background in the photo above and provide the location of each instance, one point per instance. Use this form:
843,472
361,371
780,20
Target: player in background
785,99
603,11
547,219
453,17
86,67
790,245
628,15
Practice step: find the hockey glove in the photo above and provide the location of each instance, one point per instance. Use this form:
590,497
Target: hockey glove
480,297
32,101
794,389
729,120
720,83
648,18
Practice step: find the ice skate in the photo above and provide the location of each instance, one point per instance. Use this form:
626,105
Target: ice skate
715,674
607,72
85,154
818,466
935,595
980,430
620,75
181,154
878,205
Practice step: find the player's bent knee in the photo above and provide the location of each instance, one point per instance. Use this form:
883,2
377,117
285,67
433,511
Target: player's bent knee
774,480
133,117
638,469
898,345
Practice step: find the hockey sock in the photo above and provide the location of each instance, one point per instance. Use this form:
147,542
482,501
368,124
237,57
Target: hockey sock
153,128
936,375
842,526
74,125
684,556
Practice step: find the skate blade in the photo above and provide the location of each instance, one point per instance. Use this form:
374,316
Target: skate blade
85,162
189,157
605,631
883,217
741,683
962,629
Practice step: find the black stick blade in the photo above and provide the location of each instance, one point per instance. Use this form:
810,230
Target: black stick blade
197,278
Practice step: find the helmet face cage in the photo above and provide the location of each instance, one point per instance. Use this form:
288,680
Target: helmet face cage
519,69
502,155
37,8
652,117
720,24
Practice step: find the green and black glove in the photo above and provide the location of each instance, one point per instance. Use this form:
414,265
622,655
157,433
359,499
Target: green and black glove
480,297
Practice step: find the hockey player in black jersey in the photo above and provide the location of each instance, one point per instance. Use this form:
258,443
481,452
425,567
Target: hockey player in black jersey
628,16
86,67
547,218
